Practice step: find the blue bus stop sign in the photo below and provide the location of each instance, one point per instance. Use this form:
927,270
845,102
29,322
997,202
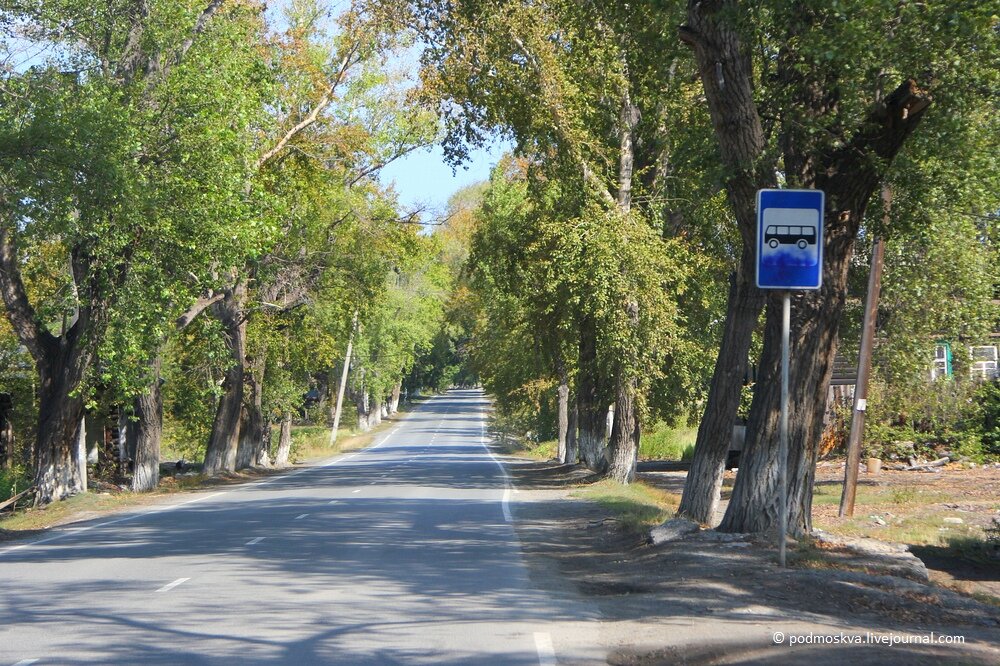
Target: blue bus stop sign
790,239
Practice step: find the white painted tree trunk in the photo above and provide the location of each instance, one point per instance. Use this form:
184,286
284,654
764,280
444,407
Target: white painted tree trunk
285,442
81,455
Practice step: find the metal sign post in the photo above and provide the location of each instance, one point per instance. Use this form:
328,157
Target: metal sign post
786,325
789,258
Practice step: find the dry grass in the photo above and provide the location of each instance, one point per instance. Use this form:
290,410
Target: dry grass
637,506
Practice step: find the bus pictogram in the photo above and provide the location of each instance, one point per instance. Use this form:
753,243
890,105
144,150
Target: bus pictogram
799,236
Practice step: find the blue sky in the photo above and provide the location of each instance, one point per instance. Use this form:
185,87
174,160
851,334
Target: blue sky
423,180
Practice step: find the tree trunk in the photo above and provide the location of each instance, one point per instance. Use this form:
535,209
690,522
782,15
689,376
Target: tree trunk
148,433
394,400
572,444
6,431
285,441
563,411
361,404
624,445
700,499
590,401
251,450
754,506
57,473
375,418
220,455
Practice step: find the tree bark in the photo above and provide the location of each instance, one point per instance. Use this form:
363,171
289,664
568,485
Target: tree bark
220,455
703,486
563,410
572,445
59,413
375,417
252,450
285,441
394,400
591,403
6,431
148,432
624,445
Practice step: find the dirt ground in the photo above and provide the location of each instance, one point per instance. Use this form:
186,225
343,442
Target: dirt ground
700,600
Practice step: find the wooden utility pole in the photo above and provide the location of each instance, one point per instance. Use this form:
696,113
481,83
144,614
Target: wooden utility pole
856,436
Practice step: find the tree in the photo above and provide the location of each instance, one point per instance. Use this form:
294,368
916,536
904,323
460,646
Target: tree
91,139
835,120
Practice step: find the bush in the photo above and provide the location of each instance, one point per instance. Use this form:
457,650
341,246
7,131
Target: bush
665,442
13,481
987,406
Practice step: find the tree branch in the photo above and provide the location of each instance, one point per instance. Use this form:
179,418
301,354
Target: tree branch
159,66
199,306
349,60
22,316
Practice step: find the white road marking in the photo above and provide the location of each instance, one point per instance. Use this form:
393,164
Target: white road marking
546,653
334,501
356,491
170,586
506,505
26,662
254,542
300,517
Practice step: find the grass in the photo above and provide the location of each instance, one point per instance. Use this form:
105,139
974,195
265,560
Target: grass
666,442
913,516
637,506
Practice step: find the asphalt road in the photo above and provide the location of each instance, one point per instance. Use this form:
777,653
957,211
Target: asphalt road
403,553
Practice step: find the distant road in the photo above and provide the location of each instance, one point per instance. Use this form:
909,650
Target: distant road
399,554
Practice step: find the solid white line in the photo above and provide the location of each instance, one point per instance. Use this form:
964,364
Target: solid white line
254,542
26,662
506,505
301,516
546,653
170,586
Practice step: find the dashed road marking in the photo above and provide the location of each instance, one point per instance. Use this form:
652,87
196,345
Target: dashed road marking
254,542
301,516
170,586
26,662
356,491
334,502
546,653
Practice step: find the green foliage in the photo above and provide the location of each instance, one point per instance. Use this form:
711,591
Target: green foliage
987,413
665,442
13,481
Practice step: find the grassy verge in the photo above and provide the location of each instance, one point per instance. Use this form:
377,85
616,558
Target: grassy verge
637,506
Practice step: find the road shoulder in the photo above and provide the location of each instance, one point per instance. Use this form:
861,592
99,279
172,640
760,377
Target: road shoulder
702,601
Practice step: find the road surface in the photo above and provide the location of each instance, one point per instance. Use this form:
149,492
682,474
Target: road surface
402,553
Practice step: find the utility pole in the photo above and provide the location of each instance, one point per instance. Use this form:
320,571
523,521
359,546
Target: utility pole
856,436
